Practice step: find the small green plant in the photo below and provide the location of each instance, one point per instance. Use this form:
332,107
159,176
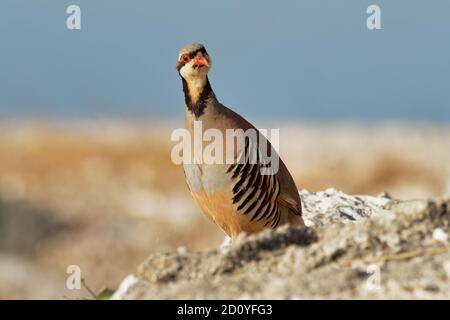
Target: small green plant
104,294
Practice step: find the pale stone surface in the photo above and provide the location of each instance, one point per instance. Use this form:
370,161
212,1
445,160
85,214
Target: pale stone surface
330,206
355,247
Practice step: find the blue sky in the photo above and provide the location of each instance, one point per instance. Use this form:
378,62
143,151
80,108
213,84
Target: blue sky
292,59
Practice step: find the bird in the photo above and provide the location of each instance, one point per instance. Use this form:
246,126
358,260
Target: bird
236,196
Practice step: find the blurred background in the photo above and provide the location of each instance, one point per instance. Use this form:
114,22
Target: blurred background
86,116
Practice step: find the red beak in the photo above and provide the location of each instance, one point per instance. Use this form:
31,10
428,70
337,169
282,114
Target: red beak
200,60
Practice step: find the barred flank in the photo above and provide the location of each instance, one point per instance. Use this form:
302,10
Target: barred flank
254,193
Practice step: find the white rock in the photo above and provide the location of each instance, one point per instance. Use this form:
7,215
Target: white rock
126,283
225,244
440,235
330,206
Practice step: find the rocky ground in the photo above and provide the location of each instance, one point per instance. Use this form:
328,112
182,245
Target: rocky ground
104,195
354,247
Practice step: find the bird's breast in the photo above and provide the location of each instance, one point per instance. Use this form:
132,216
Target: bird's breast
209,178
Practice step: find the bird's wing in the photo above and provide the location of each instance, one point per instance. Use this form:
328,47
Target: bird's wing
260,195
290,197
254,193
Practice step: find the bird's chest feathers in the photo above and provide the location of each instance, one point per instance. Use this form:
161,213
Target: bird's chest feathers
205,178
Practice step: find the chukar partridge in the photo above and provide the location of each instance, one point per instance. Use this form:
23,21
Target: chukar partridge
237,196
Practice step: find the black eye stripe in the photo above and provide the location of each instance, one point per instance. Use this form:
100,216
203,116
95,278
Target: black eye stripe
191,55
194,53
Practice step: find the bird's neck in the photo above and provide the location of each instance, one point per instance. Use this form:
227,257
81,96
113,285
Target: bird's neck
197,95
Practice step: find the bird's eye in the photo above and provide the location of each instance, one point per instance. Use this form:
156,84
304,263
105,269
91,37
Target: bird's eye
185,58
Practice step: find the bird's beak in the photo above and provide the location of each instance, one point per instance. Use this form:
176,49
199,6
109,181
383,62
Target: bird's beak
201,60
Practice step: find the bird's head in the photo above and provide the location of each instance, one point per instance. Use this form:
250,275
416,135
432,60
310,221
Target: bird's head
193,62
